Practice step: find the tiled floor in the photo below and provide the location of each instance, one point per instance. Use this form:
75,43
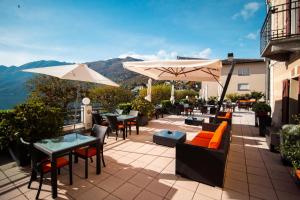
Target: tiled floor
138,169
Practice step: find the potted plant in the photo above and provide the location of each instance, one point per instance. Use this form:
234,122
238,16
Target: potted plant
145,108
290,146
262,111
167,106
34,121
126,107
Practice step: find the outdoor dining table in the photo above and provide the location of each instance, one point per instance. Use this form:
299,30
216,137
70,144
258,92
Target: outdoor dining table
124,119
56,147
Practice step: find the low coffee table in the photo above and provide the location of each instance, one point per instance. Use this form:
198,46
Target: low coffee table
194,121
169,138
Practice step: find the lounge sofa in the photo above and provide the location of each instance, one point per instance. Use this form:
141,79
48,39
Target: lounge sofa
222,116
204,158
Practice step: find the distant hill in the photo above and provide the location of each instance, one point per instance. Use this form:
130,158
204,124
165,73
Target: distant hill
12,79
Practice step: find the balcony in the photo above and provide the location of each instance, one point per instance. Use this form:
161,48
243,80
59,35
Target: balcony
280,33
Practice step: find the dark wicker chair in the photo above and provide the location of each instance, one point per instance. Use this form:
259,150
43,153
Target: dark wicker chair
41,165
133,122
98,119
115,126
203,164
88,152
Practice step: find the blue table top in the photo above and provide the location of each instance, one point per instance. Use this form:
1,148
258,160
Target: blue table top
170,134
53,145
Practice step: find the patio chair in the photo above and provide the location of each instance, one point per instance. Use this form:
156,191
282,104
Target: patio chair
41,165
114,125
119,111
88,152
98,119
133,122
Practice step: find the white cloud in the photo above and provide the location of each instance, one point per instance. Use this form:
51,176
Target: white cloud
248,10
206,53
164,55
160,55
251,36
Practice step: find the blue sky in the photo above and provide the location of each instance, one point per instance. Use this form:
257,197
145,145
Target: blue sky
81,31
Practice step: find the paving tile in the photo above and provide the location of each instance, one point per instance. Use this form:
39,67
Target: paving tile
198,196
111,197
230,195
179,194
236,185
259,180
146,195
262,192
288,187
209,191
20,197
286,196
257,171
110,184
126,173
159,187
93,193
237,175
127,191
141,180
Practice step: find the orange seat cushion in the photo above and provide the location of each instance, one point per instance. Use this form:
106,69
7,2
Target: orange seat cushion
60,162
91,151
298,174
132,122
228,115
120,126
198,141
205,134
217,137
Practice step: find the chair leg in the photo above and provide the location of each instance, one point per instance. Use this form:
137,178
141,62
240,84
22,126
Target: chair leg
40,186
116,134
91,158
76,159
31,179
103,158
86,168
58,171
70,169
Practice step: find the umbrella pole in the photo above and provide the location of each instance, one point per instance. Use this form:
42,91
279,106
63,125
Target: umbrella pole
75,106
225,89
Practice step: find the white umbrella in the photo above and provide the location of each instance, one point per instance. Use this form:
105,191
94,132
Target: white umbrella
149,92
189,70
172,99
76,72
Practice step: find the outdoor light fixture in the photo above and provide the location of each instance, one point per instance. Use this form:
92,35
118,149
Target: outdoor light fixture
86,101
230,57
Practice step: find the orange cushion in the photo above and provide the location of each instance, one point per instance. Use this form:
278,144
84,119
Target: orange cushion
91,151
121,126
217,137
228,115
198,141
205,134
298,173
60,162
132,123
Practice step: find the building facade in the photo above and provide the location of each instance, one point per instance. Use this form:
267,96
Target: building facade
248,75
280,45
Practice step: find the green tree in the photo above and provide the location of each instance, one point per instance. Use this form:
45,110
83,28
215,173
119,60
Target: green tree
110,97
159,92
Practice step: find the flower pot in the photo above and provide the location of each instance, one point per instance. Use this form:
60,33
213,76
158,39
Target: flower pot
262,124
19,153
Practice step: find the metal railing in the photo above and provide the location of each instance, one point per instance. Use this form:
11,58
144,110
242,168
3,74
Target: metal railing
70,117
282,21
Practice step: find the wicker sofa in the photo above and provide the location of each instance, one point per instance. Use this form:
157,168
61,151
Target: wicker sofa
200,161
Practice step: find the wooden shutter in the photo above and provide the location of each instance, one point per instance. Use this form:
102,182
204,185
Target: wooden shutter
285,101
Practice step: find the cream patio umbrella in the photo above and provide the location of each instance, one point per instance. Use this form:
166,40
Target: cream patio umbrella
76,72
149,90
183,70
172,99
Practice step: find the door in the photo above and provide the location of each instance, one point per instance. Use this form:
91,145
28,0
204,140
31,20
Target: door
285,101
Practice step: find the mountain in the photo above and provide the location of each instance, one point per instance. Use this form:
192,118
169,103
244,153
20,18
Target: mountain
13,80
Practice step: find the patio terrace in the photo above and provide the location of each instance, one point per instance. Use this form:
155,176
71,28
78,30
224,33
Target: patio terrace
136,168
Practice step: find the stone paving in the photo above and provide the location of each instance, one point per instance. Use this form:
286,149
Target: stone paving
136,168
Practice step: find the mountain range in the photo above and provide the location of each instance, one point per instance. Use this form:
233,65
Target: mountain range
13,80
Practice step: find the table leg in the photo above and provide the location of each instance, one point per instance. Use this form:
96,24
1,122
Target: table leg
98,163
70,168
137,128
54,177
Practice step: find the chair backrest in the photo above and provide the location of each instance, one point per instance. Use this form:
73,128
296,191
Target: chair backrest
113,121
99,132
119,111
97,119
133,113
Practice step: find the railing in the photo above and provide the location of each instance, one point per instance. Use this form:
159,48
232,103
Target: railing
70,117
282,21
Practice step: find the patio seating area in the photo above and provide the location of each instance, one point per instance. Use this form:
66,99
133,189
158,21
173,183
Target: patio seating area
137,168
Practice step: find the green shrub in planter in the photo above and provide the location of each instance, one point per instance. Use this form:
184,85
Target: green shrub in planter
166,106
290,144
7,128
261,108
233,97
184,101
256,95
36,121
145,107
126,107
212,100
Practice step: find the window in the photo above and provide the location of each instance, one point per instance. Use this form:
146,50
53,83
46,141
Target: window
243,71
243,87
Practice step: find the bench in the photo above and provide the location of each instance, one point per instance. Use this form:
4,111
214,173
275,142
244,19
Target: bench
222,116
204,158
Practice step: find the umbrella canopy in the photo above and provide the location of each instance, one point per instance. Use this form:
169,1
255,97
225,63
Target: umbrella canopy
172,99
188,70
149,90
76,72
